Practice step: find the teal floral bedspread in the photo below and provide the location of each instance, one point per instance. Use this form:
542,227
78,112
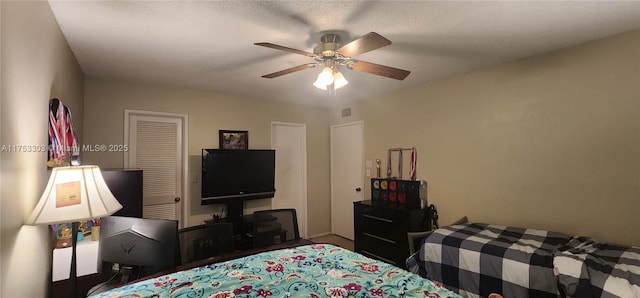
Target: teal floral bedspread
319,270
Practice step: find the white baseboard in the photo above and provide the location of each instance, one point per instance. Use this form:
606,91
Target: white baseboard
319,235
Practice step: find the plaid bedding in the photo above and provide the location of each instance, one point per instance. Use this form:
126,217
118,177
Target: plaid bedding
478,259
587,268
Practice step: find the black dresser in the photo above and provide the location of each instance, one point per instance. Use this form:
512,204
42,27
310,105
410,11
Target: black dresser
381,232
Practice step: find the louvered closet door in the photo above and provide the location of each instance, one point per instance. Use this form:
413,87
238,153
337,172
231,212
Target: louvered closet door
155,144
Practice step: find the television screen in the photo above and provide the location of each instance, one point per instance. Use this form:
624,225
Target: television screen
231,174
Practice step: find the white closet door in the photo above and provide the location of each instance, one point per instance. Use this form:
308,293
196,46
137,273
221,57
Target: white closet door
156,143
347,179
290,142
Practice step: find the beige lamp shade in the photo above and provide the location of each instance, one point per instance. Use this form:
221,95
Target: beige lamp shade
325,78
338,80
76,193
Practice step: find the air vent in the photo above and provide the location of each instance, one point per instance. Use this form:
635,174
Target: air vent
346,112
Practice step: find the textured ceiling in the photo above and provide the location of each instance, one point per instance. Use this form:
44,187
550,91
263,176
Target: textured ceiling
208,45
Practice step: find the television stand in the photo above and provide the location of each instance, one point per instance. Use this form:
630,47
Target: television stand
235,210
241,224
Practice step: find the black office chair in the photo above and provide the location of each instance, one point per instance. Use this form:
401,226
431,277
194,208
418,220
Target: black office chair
204,241
274,226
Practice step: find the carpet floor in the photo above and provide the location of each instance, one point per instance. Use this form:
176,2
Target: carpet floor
335,240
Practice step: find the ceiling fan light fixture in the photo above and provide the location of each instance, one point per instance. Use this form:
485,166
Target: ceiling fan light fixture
338,80
325,78
319,86
331,54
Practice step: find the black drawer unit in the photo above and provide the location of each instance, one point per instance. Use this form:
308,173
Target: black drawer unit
381,232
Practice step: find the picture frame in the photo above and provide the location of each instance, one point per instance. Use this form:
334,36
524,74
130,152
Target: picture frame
233,139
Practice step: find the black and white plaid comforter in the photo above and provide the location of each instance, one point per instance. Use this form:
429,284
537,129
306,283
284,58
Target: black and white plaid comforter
587,268
478,259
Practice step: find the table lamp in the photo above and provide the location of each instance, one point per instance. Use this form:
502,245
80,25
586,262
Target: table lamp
73,194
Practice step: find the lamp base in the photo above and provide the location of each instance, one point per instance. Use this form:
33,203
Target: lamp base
73,278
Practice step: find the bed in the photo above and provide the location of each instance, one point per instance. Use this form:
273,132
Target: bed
478,259
588,268
318,270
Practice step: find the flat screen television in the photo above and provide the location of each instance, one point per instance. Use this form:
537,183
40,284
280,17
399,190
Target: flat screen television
237,175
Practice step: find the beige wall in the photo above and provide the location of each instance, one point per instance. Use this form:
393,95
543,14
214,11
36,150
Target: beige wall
105,102
37,65
549,142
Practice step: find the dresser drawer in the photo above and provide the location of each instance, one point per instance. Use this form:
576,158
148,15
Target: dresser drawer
411,220
381,233
383,214
382,249
380,227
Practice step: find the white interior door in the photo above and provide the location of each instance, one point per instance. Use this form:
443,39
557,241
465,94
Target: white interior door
347,151
156,145
290,142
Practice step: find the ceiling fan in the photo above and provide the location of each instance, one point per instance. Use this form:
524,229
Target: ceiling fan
330,54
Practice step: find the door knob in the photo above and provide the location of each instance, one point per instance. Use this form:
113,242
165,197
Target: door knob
358,189
176,199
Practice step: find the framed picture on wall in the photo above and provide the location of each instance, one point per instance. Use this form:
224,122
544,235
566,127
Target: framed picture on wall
234,139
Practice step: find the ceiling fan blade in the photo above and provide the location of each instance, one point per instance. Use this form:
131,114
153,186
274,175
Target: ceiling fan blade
289,70
381,70
283,48
366,43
